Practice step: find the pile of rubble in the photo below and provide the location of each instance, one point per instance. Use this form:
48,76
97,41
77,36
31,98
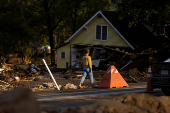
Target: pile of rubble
12,75
52,86
5,86
44,86
137,76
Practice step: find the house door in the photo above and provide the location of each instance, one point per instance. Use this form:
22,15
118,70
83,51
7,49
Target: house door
76,61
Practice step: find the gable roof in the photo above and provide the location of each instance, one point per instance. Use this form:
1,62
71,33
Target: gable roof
139,36
99,12
136,36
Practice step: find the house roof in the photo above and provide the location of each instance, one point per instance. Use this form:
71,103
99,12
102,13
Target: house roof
62,45
132,36
138,36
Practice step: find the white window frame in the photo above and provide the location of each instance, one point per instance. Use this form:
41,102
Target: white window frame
101,32
60,54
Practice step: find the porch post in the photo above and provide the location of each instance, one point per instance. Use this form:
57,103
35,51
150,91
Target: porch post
70,52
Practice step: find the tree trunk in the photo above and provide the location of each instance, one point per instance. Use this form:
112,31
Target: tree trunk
52,47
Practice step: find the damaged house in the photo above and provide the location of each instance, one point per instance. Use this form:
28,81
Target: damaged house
110,40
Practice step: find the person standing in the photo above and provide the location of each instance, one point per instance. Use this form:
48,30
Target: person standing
87,68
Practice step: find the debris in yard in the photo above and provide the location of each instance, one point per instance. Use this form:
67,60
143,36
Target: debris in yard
70,86
77,76
37,78
134,79
34,68
67,76
136,75
48,85
1,70
41,86
5,82
17,79
136,72
5,87
10,80
38,88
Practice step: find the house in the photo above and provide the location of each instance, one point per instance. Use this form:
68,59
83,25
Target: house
107,37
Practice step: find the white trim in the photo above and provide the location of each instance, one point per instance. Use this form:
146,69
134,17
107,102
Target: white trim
83,26
60,54
99,12
101,32
117,31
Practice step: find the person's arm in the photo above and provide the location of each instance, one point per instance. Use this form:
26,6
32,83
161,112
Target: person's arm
90,64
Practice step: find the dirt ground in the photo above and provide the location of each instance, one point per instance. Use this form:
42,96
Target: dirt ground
22,100
63,81
36,82
127,103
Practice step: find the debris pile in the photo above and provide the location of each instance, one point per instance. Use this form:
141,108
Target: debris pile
5,86
13,75
52,86
136,75
44,86
69,86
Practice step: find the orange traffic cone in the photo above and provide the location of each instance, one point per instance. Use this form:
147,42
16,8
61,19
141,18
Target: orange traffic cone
149,87
112,79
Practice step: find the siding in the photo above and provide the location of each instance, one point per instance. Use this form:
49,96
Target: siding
88,36
61,63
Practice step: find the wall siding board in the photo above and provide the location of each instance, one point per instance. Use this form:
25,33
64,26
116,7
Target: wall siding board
88,36
61,63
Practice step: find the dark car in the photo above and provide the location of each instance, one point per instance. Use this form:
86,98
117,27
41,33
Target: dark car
160,77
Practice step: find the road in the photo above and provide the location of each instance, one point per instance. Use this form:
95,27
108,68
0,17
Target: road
62,99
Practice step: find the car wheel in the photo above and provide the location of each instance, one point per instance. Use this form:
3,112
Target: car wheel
166,90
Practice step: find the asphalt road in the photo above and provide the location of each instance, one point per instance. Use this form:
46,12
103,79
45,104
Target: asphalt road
62,99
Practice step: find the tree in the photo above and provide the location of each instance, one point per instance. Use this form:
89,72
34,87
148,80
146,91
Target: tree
80,11
23,23
150,12
61,17
52,13
83,10
19,28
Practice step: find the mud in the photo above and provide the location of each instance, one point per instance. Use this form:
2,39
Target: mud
19,100
128,103
22,101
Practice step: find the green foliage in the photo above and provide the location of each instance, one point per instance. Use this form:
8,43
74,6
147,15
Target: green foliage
150,12
79,12
18,27
27,23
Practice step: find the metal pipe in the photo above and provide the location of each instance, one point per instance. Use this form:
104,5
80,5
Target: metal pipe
50,74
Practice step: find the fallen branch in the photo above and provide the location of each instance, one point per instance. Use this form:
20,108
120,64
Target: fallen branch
6,83
134,79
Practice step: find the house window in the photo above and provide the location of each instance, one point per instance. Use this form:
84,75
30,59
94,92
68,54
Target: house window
101,32
62,55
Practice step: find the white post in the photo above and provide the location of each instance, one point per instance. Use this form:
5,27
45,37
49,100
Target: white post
50,74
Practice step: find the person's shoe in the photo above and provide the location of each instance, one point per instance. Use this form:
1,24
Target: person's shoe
80,87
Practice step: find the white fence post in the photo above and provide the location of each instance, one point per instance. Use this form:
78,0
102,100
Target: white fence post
50,74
